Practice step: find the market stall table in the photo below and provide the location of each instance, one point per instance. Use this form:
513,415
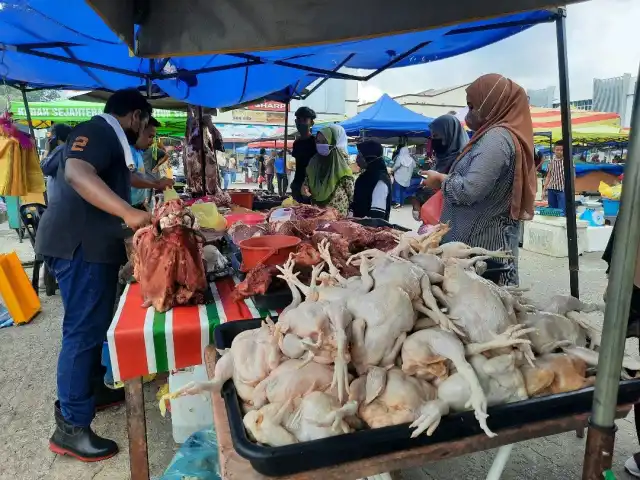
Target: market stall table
142,341
234,467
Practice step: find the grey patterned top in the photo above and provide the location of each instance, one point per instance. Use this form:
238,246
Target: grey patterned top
477,198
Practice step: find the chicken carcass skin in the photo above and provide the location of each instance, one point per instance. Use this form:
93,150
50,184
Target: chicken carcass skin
570,372
479,308
382,319
590,357
253,355
318,327
312,417
561,304
402,399
552,331
499,377
437,342
292,378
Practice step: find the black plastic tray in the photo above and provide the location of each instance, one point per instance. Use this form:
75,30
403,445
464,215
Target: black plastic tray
379,222
274,299
266,204
290,459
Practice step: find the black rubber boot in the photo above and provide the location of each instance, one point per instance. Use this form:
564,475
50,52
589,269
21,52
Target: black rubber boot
79,442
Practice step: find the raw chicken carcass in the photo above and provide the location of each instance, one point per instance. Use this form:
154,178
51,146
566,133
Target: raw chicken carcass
291,379
499,377
315,416
317,326
562,304
479,308
553,331
382,319
399,398
462,250
391,271
421,348
253,356
569,372
590,357
168,261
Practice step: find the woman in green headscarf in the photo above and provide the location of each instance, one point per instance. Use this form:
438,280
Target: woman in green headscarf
329,179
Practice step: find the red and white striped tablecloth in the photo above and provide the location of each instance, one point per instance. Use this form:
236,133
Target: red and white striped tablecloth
142,341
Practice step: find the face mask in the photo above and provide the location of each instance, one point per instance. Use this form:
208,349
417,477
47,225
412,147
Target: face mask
438,146
323,149
303,128
473,120
361,162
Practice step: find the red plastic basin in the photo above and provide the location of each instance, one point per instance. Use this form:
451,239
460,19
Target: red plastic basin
267,250
248,218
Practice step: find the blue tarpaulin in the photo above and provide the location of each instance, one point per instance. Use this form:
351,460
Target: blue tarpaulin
44,40
584,168
387,118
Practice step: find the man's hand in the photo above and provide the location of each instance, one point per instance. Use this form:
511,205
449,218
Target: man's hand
434,179
165,183
135,218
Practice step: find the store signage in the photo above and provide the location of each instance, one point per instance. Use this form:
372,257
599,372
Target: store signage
268,107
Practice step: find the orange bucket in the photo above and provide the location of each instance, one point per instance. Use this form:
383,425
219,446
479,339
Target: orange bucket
242,199
267,250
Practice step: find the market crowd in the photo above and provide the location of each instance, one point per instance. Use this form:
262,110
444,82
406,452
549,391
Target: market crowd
102,175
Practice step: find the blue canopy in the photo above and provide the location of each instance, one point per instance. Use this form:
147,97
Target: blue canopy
387,118
64,43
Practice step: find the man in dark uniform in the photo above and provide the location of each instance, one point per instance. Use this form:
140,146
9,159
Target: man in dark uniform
304,148
81,239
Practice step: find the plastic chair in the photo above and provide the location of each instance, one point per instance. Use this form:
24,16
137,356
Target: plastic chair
30,214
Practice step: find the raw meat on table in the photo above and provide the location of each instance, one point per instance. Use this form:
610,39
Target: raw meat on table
168,259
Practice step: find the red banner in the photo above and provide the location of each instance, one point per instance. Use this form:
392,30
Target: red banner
268,107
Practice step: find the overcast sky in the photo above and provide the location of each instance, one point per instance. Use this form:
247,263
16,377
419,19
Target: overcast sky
603,41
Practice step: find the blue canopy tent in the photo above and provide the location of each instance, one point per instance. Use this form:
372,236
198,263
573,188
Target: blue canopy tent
386,120
66,44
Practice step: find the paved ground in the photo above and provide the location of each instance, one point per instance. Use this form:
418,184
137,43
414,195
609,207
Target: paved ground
27,390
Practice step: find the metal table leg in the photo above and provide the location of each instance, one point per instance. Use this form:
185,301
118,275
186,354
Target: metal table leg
502,457
136,429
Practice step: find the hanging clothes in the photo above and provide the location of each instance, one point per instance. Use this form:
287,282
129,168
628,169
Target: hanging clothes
20,172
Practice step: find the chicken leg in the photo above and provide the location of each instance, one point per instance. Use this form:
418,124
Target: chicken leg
435,341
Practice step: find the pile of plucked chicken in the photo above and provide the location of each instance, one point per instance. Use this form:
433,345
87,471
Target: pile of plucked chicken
417,335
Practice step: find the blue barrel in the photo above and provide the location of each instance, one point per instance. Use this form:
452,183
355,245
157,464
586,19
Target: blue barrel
611,207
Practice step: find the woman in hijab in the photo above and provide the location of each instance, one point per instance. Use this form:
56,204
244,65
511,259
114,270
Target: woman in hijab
491,185
448,138
372,193
402,172
329,179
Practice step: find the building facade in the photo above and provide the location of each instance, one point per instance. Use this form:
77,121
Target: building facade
432,103
615,95
543,97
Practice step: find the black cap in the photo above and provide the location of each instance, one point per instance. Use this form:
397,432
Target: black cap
305,112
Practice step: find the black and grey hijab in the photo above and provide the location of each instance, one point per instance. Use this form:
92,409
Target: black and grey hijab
374,172
454,138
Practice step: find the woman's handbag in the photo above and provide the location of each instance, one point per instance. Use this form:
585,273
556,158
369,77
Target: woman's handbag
431,210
